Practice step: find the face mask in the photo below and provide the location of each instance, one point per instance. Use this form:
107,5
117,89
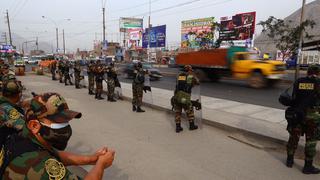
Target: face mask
57,135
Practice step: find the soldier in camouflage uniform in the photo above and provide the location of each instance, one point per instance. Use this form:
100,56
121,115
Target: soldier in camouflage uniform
90,70
37,152
182,97
61,70
99,71
53,68
306,97
67,77
112,77
77,74
137,88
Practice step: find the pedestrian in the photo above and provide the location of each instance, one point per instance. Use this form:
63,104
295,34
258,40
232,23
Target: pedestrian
182,98
99,71
38,151
137,88
77,74
111,82
306,101
61,66
67,77
53,68
90,71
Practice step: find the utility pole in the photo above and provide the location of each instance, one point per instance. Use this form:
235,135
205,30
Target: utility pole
9,27
149,31
57,37
37,44
64,42
300,42
104,24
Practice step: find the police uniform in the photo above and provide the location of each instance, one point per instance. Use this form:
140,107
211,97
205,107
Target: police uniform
99,77
182,99
306,97
137,88
112,77
30,159
90,70
77,76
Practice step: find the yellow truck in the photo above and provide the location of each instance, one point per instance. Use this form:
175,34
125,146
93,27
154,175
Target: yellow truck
235,62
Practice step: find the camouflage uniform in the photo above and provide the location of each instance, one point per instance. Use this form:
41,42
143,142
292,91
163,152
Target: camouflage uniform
182,99
66,74
306,95
77,72
99,77
37,161
112,77
90,70
137,88
53,68
61,71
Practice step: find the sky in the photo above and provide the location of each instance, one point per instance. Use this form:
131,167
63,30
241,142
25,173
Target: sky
82,19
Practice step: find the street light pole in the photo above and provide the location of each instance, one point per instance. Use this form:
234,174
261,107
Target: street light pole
300,42
57,38
149,31
64,42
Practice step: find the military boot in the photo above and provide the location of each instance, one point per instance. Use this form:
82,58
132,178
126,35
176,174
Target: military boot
309,168
134,108
290,161
192,126
91,93
139,110
99,97
178,127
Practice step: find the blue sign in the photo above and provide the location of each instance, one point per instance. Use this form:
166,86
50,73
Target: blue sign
157,37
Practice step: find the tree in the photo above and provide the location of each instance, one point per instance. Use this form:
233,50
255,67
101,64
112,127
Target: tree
285,34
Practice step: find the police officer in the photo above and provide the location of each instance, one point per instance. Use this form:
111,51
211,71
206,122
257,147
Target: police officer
112,77
182,97
38,152
77,74
306,97
137,88
67,77
99,78
61,70
90,71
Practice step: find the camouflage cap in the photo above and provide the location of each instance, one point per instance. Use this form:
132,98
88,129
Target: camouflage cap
51,106
11,87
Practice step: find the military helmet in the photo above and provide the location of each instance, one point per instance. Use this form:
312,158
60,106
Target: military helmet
313,70
11,87
139,65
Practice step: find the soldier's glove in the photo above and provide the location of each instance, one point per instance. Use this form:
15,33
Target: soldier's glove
197,104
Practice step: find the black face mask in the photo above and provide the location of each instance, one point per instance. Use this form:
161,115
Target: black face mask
57,138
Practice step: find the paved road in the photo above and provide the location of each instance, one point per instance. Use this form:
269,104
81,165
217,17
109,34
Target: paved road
148,148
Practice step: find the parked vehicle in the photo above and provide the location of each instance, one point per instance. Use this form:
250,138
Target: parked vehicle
155,74
26,59
235,62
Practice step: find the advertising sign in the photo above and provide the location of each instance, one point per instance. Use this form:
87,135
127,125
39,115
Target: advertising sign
135,38
193,32
130,23
239,27
157,37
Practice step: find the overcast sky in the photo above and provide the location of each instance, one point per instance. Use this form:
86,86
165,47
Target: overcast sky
85,16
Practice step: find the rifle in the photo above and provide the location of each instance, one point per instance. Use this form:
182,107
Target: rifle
196,104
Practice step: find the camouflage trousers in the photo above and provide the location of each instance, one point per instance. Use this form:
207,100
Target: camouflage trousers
53,74
77,80
137,93
188,109
67,79
60,76
91,83
111,87
309,129
99,88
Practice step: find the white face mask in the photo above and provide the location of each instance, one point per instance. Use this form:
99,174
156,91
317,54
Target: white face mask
56,125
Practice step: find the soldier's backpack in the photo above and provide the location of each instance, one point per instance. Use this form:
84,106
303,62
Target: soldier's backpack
286,98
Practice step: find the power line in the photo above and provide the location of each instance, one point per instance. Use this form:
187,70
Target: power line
136,6
19,10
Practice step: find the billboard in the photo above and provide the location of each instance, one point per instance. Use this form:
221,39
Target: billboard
239,27
135,38
130,23
194,31
157,37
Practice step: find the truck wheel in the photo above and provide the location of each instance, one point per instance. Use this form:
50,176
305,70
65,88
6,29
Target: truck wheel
257,80
201,75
